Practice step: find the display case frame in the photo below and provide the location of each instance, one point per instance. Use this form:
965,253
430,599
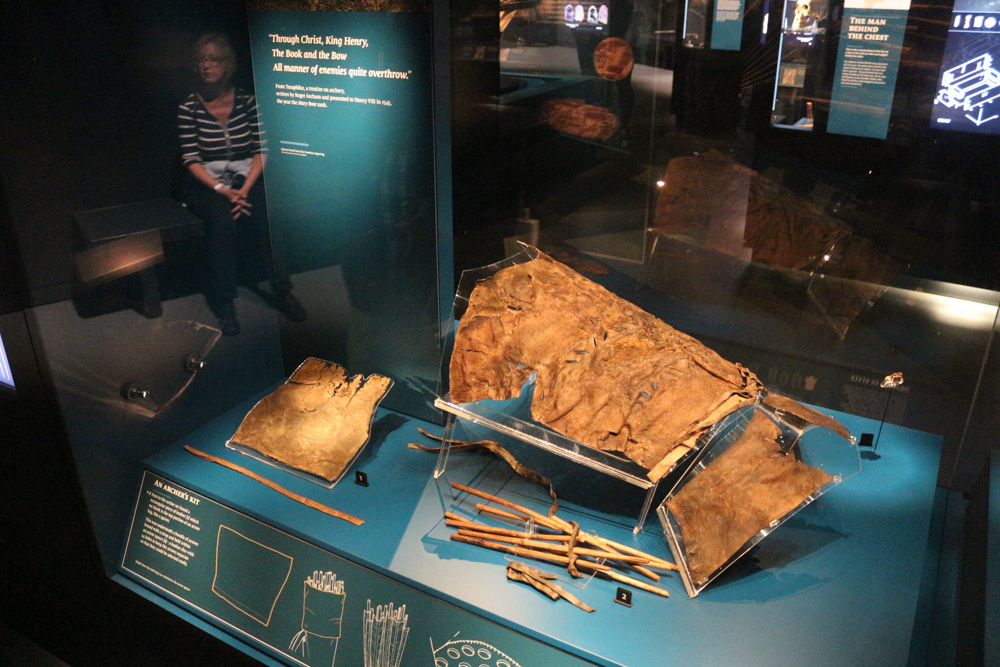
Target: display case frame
70,473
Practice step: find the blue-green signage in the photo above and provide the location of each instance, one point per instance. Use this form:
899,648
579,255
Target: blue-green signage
346,102
727,25
871,41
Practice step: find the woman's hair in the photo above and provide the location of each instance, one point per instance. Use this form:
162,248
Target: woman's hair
222,43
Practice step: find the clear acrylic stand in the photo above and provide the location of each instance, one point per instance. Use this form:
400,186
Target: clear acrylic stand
512,417
815,446
545,438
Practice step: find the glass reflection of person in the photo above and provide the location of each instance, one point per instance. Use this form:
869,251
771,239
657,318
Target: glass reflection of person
223,150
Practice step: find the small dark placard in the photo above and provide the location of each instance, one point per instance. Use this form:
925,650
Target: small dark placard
624,596
867,439
360,478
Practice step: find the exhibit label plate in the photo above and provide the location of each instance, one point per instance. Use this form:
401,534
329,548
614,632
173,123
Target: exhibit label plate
298,603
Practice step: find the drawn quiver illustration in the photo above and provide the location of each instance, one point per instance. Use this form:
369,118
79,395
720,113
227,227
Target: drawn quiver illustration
322,612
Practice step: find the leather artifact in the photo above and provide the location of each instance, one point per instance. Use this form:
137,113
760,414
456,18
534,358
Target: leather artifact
318,421
613,59
576,117
610,375
741,492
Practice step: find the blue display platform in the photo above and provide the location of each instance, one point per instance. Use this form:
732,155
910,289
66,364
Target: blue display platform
837,584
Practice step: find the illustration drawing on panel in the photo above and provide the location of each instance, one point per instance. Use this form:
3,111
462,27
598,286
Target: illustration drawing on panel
971,87
384,631
458,652
322,613
249,575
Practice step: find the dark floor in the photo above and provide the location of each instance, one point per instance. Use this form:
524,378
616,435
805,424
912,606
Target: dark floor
18,651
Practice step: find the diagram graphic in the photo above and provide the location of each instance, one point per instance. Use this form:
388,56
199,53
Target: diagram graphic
458,652
971,87
322,612
249,575
384,632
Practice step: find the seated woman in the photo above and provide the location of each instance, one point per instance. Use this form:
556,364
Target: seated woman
223,149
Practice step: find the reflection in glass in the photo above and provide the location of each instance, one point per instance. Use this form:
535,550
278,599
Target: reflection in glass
6,377
801,63
224,151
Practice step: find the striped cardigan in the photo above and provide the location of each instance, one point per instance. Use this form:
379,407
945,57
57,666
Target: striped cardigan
204,139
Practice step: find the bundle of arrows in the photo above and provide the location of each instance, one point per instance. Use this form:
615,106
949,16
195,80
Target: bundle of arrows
384,633
553,540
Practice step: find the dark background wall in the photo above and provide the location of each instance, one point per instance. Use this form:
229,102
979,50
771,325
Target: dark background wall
90,90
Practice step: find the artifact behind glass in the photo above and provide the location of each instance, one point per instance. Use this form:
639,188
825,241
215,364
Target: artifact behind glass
315,423
749,475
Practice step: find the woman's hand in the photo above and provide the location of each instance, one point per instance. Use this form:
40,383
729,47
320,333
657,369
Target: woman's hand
241,208
238,200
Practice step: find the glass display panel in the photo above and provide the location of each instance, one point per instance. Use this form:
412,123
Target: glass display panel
692,157
818,448
801,63
568,99
160,302
6,377
709,182
800,213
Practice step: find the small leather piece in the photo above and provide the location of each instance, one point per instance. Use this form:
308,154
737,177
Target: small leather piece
496,449
317,421
543,583
744,490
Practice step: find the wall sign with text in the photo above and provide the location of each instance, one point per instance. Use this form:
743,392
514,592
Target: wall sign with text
871,42
346,101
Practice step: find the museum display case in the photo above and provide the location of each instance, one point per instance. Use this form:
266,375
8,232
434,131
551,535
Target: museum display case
743,251
787,251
